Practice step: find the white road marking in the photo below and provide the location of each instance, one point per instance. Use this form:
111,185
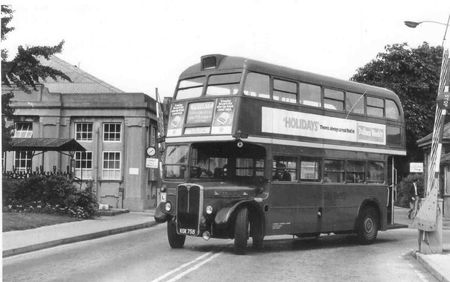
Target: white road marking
182,266
194,267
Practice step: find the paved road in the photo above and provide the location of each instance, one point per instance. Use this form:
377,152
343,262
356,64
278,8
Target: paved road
144,255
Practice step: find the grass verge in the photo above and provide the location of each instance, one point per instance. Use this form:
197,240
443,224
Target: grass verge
22,221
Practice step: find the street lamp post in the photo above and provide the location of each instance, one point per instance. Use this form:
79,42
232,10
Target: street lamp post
429,218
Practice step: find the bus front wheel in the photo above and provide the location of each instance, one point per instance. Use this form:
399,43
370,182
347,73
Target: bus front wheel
176,241
367,226
241,231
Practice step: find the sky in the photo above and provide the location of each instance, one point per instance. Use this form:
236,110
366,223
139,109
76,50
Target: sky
138,46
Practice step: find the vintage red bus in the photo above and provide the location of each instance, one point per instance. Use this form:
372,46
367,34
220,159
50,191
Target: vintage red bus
254,149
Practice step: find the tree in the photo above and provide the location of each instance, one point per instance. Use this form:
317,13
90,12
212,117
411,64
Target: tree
413,74
24,72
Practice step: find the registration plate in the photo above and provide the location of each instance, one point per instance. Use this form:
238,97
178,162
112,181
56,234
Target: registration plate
187,231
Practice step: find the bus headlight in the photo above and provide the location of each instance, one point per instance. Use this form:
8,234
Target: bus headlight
163,197
209,209
168,206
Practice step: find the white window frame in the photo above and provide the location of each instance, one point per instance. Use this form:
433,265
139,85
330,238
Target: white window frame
81,132
83,172
20,156
115,132
111,173
25,130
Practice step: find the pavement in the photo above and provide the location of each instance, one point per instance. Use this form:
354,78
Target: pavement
24,241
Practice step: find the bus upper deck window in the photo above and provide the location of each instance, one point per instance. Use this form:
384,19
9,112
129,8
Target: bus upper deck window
392,110
375,107
310,95
223,84
333,99
257,85
285,91
190,88
354,103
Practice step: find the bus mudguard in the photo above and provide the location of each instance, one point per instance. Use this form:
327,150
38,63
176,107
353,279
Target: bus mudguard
223,215
160,216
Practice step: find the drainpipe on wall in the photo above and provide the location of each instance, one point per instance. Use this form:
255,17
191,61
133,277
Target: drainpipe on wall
97,134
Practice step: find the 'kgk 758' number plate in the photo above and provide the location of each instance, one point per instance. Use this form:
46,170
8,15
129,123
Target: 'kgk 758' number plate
187,231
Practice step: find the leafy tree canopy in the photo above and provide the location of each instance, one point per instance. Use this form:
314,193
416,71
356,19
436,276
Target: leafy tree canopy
413,74
25,71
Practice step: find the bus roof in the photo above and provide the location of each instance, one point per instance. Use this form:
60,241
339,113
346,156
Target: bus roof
231,63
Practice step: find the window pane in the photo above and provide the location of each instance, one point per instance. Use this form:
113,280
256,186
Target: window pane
375,172
375,102
189,93
310,95
354,103
333,104
374,112
333,94
392,110
244,167
257,85
284,169
333,171
228,78
310,169
393,135
355,171
192,82
111,131
285,86
83,131
284,97
225,89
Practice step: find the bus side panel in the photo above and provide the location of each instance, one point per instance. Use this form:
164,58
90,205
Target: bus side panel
341,204
309,201
282,204
293,208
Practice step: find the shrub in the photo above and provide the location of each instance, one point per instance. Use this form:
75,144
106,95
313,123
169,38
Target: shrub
48,194
405,189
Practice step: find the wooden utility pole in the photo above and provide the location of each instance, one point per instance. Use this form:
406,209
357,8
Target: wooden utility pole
429,218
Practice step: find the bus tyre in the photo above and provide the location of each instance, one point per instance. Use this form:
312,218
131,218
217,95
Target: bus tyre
241,231
256,231
175,241
367,226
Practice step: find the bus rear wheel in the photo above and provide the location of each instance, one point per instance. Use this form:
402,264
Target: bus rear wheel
241,231
367,226
176,241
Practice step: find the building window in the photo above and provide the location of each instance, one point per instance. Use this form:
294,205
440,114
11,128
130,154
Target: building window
111,132
111,165
23,130
83,165
284,169
333,171
23,161
309,169
333,99
83,131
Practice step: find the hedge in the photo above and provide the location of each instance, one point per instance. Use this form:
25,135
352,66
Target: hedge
48,194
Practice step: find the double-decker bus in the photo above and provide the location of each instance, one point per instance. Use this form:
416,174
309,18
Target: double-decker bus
254,149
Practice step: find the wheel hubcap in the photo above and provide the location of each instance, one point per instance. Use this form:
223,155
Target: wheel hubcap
368,225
